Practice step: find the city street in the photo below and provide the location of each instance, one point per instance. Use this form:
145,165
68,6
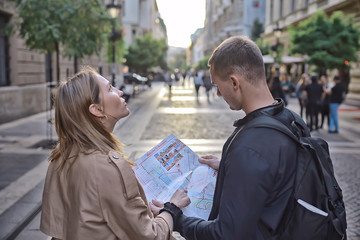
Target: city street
204,126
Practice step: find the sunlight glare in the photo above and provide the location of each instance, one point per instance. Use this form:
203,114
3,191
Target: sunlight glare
182,18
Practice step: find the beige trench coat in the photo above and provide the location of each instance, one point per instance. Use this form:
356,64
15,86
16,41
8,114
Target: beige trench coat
98,197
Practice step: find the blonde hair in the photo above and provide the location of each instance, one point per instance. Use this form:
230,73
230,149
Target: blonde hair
76,127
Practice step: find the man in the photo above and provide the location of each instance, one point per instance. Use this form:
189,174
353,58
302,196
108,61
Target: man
256,172
313,93
337,95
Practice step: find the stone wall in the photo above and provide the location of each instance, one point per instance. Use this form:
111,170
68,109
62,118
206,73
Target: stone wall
21,101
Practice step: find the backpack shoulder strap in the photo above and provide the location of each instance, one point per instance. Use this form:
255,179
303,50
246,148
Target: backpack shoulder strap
270,122
266,122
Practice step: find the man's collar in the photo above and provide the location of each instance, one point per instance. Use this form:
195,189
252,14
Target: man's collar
270,110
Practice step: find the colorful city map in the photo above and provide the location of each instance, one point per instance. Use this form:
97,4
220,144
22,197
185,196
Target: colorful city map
171,165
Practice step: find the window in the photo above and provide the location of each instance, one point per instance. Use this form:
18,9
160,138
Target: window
292,5
48,67
133,35
271,10
4,56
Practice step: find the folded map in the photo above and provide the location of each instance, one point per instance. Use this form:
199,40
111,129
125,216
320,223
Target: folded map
171,165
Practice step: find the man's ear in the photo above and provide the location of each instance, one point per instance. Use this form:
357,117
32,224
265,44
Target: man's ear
95,110
235,81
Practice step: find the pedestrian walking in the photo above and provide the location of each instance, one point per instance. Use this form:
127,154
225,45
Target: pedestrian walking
198,82
300,87
207,84
337,96
325,102
169,79
256,172
286,85
313,93
90,189
275,86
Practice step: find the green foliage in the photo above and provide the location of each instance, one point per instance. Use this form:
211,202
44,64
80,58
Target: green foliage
178,61
203,64
120,50
327,42
345,41
264,46
278,53
87,29
116,38
40,23
257,29
79,26
146,53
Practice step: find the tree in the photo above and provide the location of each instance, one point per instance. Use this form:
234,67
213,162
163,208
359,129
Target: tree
311,38
257,29
88,29
346,42
329,43
178,61
116,37
203,64
263,46
145,53
78,26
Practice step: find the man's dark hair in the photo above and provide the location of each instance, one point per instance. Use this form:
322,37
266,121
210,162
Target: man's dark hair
314,77
336,78
239,55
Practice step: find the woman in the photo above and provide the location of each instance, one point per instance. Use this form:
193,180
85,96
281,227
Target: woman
90,189
275,87
325,104
300,87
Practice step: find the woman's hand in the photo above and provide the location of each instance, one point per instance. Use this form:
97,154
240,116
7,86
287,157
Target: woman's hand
180,198
156,206
210,160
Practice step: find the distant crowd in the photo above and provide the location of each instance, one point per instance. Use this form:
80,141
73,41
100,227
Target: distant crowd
199,78
318,99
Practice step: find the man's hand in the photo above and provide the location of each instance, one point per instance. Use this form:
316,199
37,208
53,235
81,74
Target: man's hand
180,198
210,160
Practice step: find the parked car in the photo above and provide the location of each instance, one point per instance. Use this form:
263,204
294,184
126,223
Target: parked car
133,78
126,94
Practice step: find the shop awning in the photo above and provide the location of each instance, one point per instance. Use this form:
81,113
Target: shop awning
285,59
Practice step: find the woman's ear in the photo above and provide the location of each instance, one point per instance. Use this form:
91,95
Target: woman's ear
96,110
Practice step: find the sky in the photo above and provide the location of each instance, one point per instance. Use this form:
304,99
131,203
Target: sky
182,18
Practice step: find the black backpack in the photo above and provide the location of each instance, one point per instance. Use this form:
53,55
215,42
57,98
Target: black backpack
316,211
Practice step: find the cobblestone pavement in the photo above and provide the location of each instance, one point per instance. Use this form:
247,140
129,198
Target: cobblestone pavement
204,126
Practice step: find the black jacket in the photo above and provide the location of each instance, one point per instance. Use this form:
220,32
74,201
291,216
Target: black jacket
314,92
337,93
254,182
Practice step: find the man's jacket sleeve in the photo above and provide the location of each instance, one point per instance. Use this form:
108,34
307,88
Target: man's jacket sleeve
244,192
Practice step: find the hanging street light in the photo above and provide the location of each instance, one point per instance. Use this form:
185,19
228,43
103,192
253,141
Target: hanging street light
113,9
277,32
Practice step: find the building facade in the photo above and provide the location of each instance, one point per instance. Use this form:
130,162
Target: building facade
281,13
141,17
196,49
24,89
225,18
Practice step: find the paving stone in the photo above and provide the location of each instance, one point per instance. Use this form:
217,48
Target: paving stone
14,165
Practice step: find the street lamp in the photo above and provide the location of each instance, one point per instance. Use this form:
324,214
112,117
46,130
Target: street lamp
277,33
114,11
